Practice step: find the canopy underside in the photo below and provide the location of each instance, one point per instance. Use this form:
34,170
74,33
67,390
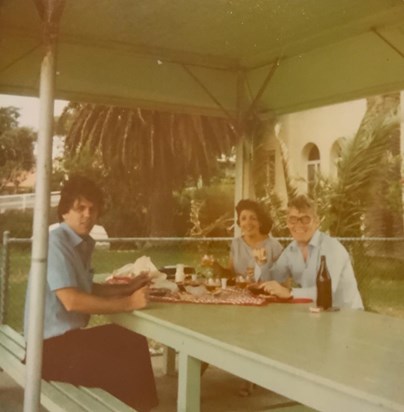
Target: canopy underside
212,57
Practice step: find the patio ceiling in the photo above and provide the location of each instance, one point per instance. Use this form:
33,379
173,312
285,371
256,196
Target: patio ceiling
210,56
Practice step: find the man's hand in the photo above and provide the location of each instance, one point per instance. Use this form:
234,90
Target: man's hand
138,299
276,289
138,282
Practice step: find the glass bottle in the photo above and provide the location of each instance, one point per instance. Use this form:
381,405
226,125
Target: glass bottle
324,290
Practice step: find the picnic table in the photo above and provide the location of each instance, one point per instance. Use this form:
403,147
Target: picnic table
349,360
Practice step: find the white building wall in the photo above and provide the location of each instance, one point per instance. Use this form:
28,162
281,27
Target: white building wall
323,127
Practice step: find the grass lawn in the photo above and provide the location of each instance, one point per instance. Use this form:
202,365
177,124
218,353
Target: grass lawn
381,280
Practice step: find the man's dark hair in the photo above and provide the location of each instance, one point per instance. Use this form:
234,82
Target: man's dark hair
264,220
77,187
303,202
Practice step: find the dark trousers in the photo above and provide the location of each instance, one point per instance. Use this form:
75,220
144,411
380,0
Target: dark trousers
108,357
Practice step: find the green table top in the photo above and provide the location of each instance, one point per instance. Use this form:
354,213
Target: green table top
353,351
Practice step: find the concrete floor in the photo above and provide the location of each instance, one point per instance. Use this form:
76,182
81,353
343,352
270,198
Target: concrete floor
219,393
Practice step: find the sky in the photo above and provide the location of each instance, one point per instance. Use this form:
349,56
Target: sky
29,115
29,108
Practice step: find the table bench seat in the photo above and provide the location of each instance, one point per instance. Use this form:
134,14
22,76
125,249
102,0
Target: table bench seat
55,396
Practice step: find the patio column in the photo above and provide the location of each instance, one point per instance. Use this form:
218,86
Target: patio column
50,13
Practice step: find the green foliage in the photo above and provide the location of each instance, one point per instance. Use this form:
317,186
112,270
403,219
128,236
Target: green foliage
274,206
17,222
142,158
8,118
364,160
217,212
16,148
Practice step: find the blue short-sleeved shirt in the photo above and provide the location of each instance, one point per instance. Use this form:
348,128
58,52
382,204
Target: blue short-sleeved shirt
69,266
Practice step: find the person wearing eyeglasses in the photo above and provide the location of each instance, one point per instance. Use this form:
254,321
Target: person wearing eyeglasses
300,260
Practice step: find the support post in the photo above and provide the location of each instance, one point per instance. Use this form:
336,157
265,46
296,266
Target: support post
4,276
189,383
243,176
40,232
169,357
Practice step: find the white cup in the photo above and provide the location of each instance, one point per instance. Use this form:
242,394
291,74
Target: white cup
194,277
223,282
179,273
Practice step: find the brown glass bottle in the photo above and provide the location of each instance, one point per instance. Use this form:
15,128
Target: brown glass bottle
324,290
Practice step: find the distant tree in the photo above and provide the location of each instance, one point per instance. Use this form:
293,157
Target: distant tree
16,149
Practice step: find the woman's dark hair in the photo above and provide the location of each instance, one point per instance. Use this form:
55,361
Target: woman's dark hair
77,187
264,219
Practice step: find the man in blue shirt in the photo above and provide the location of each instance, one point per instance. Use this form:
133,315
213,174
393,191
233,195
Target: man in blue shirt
109,357
301,258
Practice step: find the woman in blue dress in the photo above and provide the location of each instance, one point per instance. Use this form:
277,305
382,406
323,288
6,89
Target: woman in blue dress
254,245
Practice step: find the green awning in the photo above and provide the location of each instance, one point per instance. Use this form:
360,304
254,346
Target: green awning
210,56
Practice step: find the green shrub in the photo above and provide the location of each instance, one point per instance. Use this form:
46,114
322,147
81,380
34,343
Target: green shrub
19,222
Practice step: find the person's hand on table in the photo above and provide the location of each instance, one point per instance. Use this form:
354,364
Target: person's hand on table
276,289
138,299
139,281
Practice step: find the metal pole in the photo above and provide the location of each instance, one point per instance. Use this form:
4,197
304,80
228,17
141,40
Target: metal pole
4,275
40,233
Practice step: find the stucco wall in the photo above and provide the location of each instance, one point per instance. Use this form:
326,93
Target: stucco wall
322,127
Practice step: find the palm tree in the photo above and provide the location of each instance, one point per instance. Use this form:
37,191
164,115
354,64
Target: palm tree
364,160
148,154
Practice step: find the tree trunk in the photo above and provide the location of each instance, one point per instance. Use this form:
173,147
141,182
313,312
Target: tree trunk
161,213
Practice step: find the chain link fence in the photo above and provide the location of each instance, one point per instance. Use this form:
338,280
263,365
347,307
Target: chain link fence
378,264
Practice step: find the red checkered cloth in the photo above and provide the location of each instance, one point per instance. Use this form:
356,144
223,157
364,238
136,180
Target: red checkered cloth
229,296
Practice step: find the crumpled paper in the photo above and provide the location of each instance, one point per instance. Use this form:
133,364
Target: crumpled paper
142,264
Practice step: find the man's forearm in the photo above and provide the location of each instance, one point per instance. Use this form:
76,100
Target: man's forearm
76,301
106,290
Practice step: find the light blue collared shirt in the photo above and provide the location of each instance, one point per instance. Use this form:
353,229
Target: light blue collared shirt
242,254
291,263
69,266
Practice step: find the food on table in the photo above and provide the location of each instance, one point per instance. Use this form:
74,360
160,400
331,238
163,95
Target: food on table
159,292
241,282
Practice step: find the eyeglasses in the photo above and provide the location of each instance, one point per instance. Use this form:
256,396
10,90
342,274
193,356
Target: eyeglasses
304,220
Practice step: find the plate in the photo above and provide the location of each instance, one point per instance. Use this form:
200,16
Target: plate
159,292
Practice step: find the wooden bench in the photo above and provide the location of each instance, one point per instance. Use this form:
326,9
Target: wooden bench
55,396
